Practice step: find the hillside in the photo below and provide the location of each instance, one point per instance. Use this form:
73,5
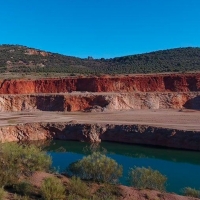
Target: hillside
15,58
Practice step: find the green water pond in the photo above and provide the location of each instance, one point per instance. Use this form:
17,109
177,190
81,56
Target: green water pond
181,167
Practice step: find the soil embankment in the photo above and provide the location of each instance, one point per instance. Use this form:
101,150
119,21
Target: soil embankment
132,134
138,83
113,93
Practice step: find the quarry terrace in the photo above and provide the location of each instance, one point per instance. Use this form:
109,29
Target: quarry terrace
157,109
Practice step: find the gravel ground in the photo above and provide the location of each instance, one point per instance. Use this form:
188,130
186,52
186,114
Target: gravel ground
183,120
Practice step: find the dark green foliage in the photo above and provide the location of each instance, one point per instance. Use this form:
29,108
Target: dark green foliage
78,187
19,197
15,58
52,189
18,160
191,192
96,167
142,178
107,192
23,188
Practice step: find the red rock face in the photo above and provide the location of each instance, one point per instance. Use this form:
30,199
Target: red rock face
148,83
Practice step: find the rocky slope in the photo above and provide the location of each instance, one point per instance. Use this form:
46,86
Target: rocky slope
113,93
132,134
100,101
102,94
145,83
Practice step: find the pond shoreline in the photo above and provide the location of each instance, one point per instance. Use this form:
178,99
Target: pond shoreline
97,132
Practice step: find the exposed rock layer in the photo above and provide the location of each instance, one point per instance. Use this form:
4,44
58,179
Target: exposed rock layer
147,83
112,101
112,93
133,134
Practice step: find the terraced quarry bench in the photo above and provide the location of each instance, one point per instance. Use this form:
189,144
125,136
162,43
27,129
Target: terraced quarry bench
158,110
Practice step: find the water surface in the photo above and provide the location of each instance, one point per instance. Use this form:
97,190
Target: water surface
181,167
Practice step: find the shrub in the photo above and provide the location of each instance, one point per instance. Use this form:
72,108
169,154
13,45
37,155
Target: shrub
78,187
52,189
96,167
18,160
18,197
2,194
147,178
23,188
107,192
191,192
76,197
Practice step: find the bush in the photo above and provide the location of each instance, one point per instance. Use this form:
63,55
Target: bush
191,192
18,197
96,167
52,189
18,160
147,178
76,197
78,188
23,188
107,192
2,194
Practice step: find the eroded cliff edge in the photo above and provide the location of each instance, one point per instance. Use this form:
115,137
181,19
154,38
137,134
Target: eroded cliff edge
100,101
136,83
132,134
114,93
102,94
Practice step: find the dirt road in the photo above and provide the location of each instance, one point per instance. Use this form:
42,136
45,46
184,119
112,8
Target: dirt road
183,120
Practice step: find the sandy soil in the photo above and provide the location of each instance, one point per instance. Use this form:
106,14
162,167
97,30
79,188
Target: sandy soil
184,119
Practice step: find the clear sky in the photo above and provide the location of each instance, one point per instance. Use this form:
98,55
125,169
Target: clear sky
100,28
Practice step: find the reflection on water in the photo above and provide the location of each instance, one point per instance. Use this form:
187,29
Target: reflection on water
181,167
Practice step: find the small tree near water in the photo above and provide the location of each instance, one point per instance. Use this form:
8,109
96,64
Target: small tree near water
96,167
142,178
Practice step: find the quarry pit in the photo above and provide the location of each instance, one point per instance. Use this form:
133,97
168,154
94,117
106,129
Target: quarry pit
160,110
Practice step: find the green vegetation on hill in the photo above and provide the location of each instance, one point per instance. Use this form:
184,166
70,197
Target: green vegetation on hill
17,161
21,59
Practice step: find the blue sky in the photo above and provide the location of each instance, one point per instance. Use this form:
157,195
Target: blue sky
100,28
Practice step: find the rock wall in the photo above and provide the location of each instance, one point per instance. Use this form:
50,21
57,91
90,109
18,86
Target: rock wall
145,83
132,134
104,93
89,102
